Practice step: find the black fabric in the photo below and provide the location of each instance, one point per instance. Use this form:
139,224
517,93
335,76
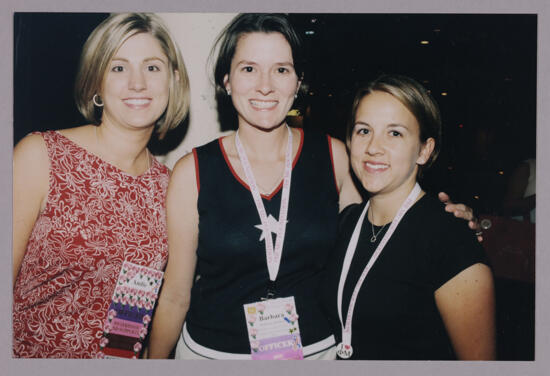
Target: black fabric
231,259
395,313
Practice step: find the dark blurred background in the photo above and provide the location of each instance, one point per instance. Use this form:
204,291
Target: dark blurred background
481,69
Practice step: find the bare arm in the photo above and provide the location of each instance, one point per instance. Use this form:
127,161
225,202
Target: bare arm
30,189
348,192
467,306
182,223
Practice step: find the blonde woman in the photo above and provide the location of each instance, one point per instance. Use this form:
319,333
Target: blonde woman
88,199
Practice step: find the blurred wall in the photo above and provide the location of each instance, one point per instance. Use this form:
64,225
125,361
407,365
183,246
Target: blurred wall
195,34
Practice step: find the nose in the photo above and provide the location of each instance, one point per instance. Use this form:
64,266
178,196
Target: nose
137,80
265,84
374,144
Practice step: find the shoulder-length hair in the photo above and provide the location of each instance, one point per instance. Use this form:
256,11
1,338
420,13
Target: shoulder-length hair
101,46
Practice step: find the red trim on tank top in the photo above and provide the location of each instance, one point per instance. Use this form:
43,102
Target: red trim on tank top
332,163
270,196
197,170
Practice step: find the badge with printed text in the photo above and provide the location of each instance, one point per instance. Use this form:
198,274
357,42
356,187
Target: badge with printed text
130,311
273,330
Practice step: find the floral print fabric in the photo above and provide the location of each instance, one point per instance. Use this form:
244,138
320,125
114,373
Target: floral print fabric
96,216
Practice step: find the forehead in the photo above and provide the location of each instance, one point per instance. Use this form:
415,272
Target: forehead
263,46
384,107
140,45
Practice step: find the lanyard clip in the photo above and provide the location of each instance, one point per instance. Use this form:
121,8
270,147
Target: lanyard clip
270,291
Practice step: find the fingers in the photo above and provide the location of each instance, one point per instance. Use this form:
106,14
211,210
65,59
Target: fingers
460,211
443,197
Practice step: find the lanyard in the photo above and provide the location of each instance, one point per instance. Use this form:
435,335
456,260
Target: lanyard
273,254
344,349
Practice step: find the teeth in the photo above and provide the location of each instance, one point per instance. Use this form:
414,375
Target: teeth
263,104
137,102
376,166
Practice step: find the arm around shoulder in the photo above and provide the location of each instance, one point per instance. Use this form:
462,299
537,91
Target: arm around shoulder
182,224
30,190
348,192
467,306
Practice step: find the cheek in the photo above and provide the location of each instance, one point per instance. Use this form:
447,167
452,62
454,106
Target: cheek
355,148
239,83
289,87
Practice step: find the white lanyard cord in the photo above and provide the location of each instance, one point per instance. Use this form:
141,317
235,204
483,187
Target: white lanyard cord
346,327
273,255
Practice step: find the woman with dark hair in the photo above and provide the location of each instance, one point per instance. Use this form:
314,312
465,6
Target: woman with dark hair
241,200
89,201
408,280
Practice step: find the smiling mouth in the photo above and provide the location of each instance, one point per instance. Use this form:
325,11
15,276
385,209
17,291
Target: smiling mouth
263,105
137,102
375,167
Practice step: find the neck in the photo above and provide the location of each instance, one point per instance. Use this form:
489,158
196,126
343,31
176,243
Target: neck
384,207
123,148
264,145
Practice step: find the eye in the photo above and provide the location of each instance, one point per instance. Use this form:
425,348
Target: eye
117,68
283,70
153,68
395,134
362,131
247,69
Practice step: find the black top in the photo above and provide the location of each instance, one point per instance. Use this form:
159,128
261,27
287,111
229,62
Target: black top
231,258
395,313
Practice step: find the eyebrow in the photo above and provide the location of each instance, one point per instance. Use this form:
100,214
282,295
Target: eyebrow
283,63
397,125
391,125
147,59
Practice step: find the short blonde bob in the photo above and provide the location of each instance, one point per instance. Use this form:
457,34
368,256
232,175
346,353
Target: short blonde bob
101,46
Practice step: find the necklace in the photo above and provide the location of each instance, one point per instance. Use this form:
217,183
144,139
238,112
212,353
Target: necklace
374,236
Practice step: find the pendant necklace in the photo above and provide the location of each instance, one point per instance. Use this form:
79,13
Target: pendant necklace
374,236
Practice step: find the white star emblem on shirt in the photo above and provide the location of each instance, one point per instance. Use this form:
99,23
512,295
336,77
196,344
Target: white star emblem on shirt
272,225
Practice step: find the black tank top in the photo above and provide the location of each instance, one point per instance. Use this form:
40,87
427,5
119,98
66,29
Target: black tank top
231,260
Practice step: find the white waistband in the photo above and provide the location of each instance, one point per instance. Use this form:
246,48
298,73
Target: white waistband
214,354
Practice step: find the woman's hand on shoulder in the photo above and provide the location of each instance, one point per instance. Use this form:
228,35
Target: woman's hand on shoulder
467,306
462,211
348,192
30,189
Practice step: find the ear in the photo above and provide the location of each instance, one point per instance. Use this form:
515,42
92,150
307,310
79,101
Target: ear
426,150
226,83
176,75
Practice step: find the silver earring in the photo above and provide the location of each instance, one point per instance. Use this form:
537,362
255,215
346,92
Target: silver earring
228,91
94,99
295,95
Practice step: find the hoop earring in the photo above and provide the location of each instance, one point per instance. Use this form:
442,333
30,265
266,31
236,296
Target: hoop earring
94,99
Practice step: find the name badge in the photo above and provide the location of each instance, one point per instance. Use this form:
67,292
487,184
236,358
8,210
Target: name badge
273,329
130,311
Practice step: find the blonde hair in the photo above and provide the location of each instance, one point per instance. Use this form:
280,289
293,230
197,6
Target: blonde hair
101,46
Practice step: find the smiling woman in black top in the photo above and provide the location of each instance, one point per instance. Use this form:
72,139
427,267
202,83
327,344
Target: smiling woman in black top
407,280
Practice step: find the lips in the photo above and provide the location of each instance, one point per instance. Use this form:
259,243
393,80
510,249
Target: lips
263,105
375,167
137,103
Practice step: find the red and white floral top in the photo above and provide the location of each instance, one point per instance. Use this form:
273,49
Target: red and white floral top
96,216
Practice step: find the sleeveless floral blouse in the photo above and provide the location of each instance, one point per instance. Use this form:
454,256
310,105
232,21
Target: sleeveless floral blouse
96,217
